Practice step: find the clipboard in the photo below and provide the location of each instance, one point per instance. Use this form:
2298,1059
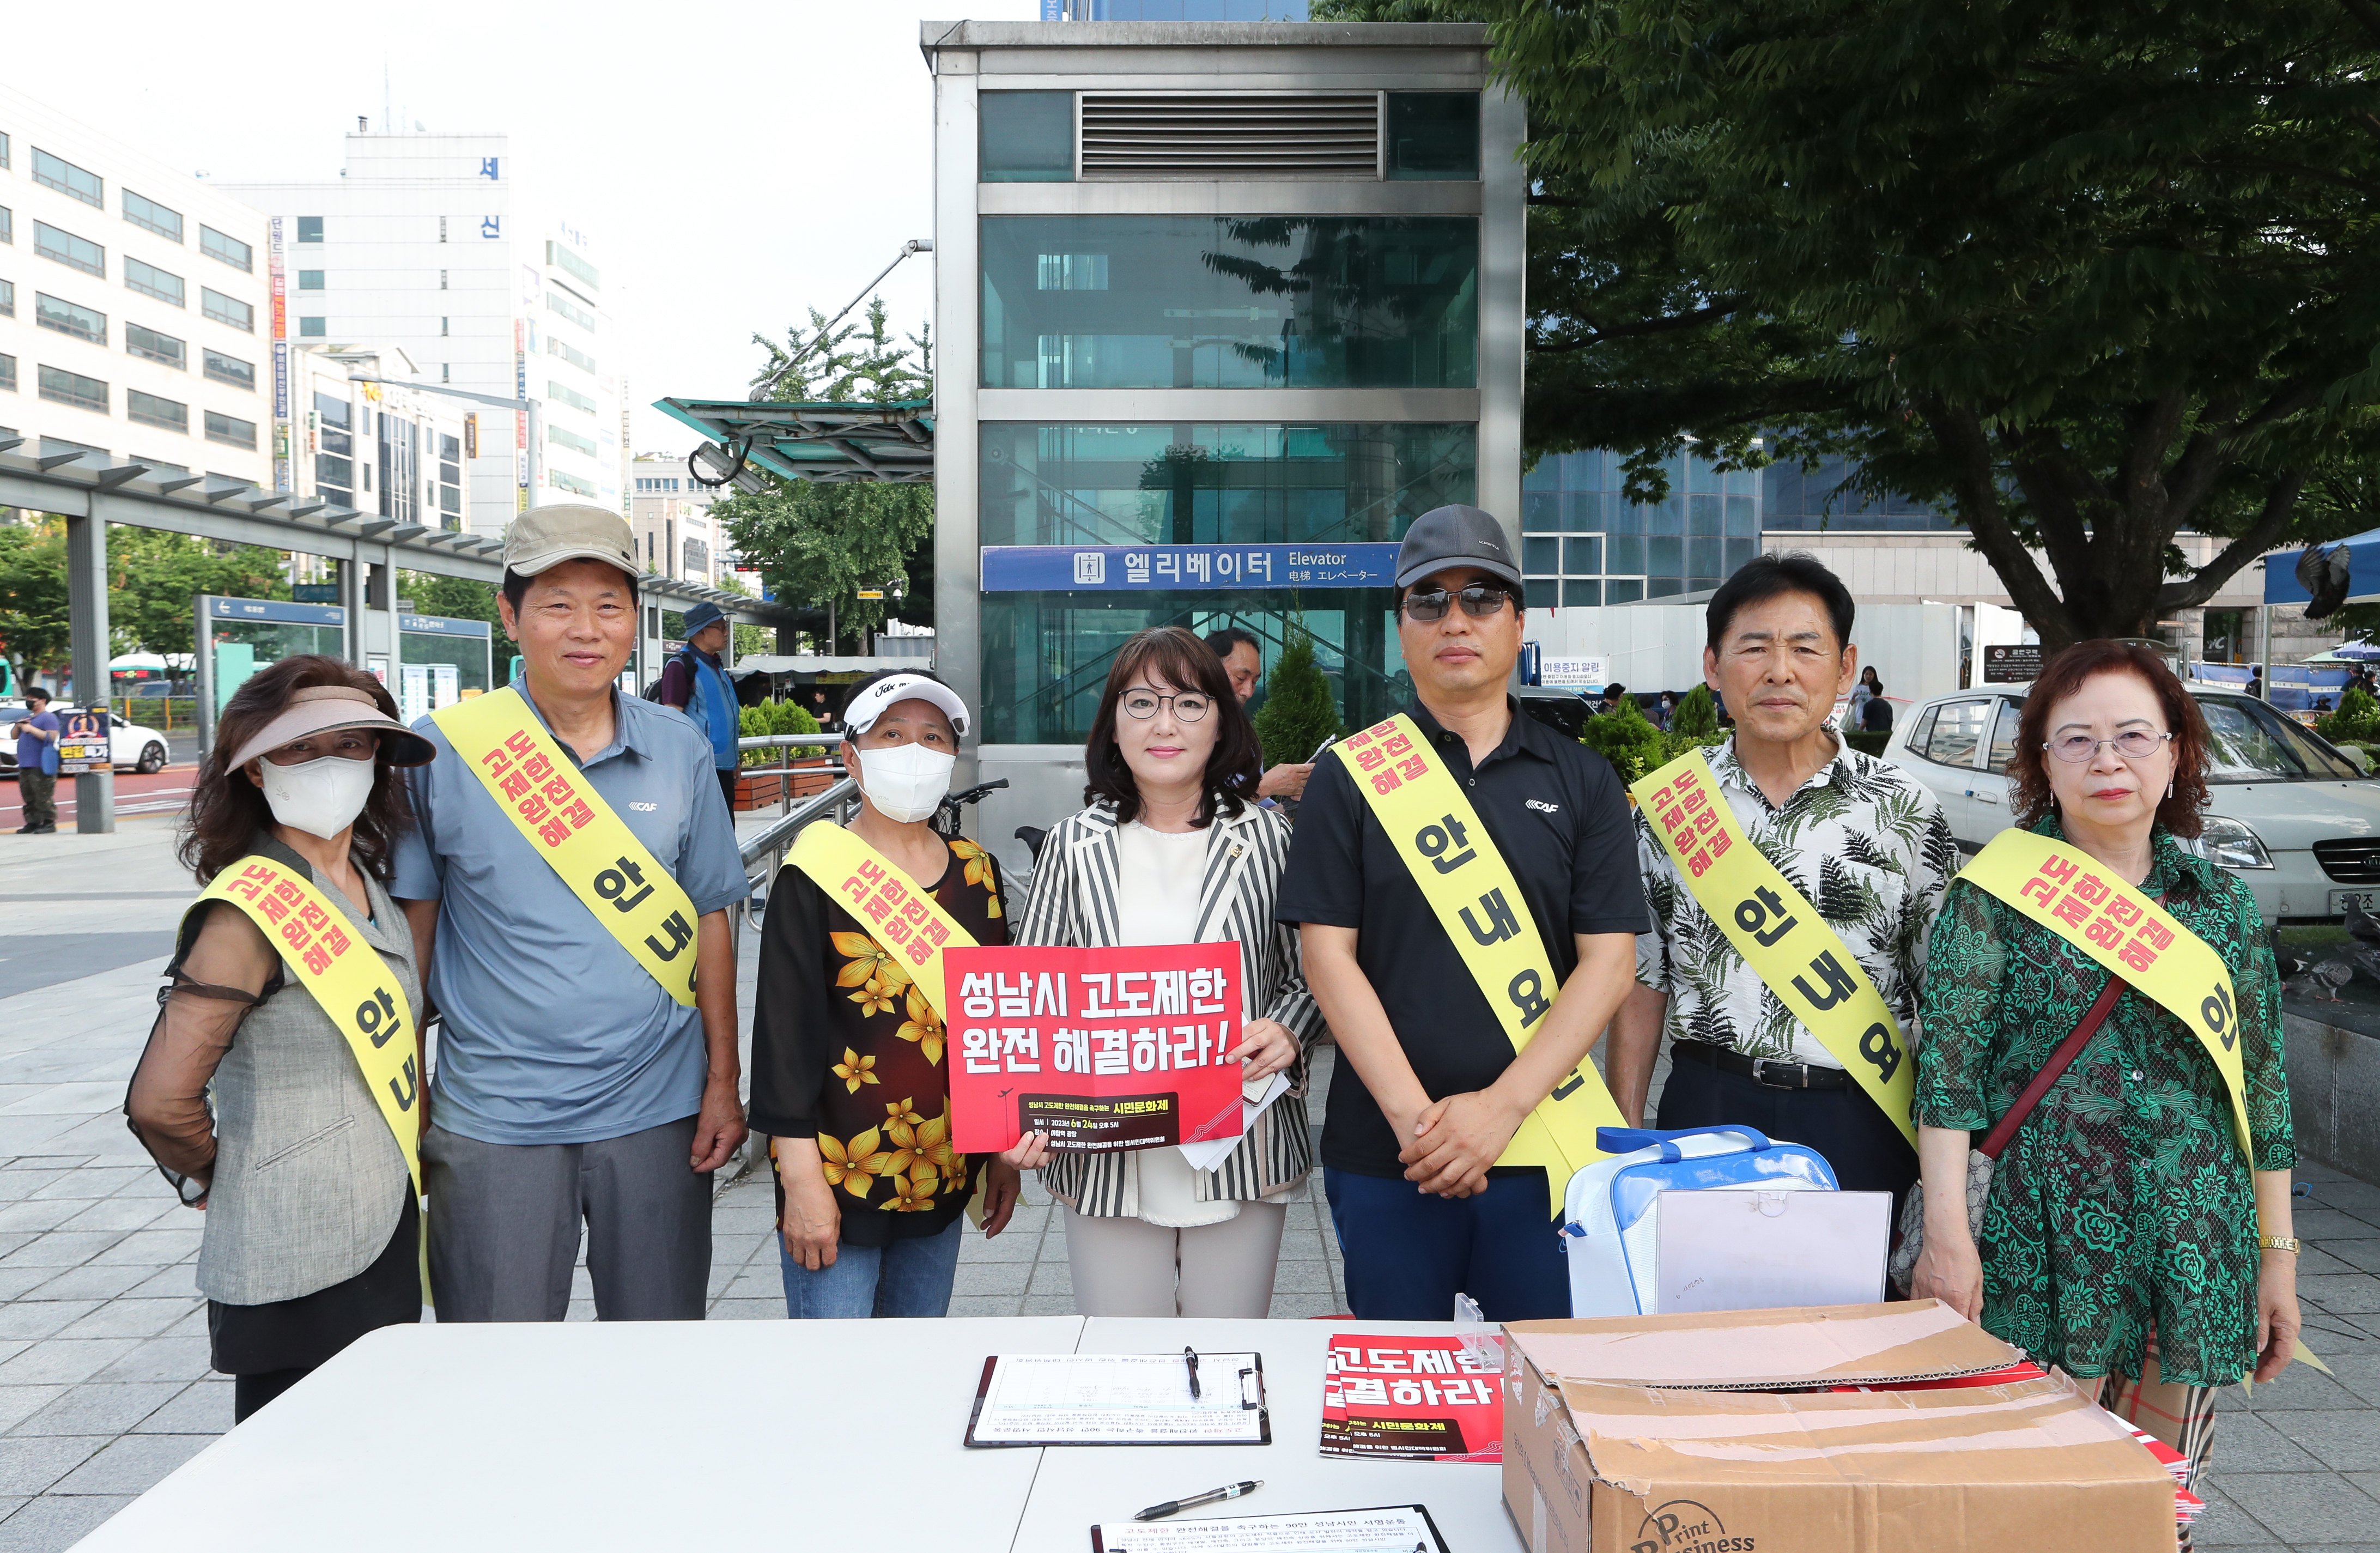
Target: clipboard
1116,1399
1404,1528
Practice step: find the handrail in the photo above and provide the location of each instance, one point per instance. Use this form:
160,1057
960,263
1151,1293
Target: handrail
772,842
791,741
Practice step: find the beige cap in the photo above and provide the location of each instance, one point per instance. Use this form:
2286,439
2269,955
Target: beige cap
324,708
542,537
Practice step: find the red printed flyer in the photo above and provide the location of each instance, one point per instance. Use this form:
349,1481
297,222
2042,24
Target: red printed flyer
1409,1398
1104,1049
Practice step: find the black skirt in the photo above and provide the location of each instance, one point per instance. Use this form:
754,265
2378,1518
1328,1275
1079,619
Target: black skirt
301,1333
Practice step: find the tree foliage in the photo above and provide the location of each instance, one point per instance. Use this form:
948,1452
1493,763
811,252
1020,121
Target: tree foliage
152,576
1299,710
456,598
1623,737
818,544
2087,276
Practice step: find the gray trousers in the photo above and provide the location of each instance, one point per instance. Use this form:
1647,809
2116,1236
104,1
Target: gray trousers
505,1219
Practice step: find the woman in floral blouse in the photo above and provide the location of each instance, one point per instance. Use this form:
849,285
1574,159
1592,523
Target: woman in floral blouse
850,1072
2124,1235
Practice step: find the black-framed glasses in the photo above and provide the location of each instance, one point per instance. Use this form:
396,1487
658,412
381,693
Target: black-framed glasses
1480,601
1190,706
2133,744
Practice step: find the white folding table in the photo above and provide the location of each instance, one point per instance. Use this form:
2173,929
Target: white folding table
831,1434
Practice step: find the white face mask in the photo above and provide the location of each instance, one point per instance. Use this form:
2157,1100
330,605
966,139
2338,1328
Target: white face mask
907,782
320,797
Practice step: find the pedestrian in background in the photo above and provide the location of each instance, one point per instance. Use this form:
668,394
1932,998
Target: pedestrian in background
573,1086
1244,663
1667,712
851,1074
1171,850
2124,1234
1875,712
249,1094
1865,690
37,764
1610,702
695,681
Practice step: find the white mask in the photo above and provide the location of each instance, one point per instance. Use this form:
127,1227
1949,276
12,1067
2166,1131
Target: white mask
906,782
320,797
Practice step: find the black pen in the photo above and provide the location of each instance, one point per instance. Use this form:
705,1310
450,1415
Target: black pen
1229,1491
1190,1359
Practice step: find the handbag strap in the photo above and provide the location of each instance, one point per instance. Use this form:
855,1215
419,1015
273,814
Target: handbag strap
2004,1132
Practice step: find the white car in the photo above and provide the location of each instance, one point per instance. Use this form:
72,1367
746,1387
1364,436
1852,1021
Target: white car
135,748
2289,813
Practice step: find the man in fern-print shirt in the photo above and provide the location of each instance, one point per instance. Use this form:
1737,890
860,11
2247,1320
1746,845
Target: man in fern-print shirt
1863,841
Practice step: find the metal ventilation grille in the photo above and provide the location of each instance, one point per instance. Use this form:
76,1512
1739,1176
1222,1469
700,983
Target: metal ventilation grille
1232,135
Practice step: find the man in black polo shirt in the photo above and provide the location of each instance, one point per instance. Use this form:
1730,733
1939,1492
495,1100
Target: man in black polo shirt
1429,1095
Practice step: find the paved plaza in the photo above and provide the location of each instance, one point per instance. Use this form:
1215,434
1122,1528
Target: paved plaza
104,1386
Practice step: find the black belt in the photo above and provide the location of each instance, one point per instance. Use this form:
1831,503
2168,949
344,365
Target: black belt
1762,1070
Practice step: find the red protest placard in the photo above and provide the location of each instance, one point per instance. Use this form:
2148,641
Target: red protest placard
1102,1049
1411,1399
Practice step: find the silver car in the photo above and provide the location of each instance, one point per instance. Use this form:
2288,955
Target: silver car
2289,813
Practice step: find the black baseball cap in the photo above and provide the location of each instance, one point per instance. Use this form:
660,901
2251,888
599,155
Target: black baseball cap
1457,536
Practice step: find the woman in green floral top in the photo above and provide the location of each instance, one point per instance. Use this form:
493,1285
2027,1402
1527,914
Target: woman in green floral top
2123,1207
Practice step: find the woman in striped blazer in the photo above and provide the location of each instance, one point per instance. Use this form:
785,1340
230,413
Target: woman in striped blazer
1174,849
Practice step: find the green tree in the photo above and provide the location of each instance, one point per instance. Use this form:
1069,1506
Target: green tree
34,616
153,576
1623,737
1299,710
2357,720
2085,276
456,598
1698,715
749,639
820,544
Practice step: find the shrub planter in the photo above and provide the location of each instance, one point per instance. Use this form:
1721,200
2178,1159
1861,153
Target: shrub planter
759,787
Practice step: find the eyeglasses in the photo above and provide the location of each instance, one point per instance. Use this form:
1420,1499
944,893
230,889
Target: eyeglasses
1188,705
2133,744
1479,600
347,747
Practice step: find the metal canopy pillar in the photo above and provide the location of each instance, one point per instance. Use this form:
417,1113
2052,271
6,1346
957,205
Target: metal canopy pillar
88,635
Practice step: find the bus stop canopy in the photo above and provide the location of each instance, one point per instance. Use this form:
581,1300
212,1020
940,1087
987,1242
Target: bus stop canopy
819,441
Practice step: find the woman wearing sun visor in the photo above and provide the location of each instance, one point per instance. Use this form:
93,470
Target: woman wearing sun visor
293,992
850,1075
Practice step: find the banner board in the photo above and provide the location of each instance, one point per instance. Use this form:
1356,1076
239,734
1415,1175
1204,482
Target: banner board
1104,1049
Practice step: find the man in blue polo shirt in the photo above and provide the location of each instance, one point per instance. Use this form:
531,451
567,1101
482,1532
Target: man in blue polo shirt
570,1085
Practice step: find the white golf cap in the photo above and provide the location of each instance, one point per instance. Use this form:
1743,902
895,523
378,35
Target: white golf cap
860,714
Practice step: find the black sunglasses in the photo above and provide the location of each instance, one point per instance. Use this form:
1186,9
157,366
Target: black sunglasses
1480,601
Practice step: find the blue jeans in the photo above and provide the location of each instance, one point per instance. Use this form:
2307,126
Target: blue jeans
1408,1255
906,1277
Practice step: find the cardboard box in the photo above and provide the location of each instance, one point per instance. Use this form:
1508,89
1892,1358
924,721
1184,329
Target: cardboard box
1718,1433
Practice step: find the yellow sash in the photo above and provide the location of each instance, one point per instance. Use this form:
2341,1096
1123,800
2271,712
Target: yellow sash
330,959
567,822
1478,902
2062,888
901,914
1780,934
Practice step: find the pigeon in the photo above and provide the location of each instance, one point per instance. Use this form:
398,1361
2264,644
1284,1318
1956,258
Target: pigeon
2361,952
2323,572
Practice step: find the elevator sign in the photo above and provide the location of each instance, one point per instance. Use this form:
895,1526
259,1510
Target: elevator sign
1139,568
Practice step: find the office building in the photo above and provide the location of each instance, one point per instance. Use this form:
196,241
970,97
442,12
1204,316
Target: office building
135,305
430,243
670,511
1223,307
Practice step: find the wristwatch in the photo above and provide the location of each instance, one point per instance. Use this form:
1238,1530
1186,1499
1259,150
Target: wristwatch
2279,1242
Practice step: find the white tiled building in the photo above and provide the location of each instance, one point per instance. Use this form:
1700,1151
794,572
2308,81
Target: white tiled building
429,243
135,304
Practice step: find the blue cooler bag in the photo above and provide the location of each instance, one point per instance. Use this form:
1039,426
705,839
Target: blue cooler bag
1610,1213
